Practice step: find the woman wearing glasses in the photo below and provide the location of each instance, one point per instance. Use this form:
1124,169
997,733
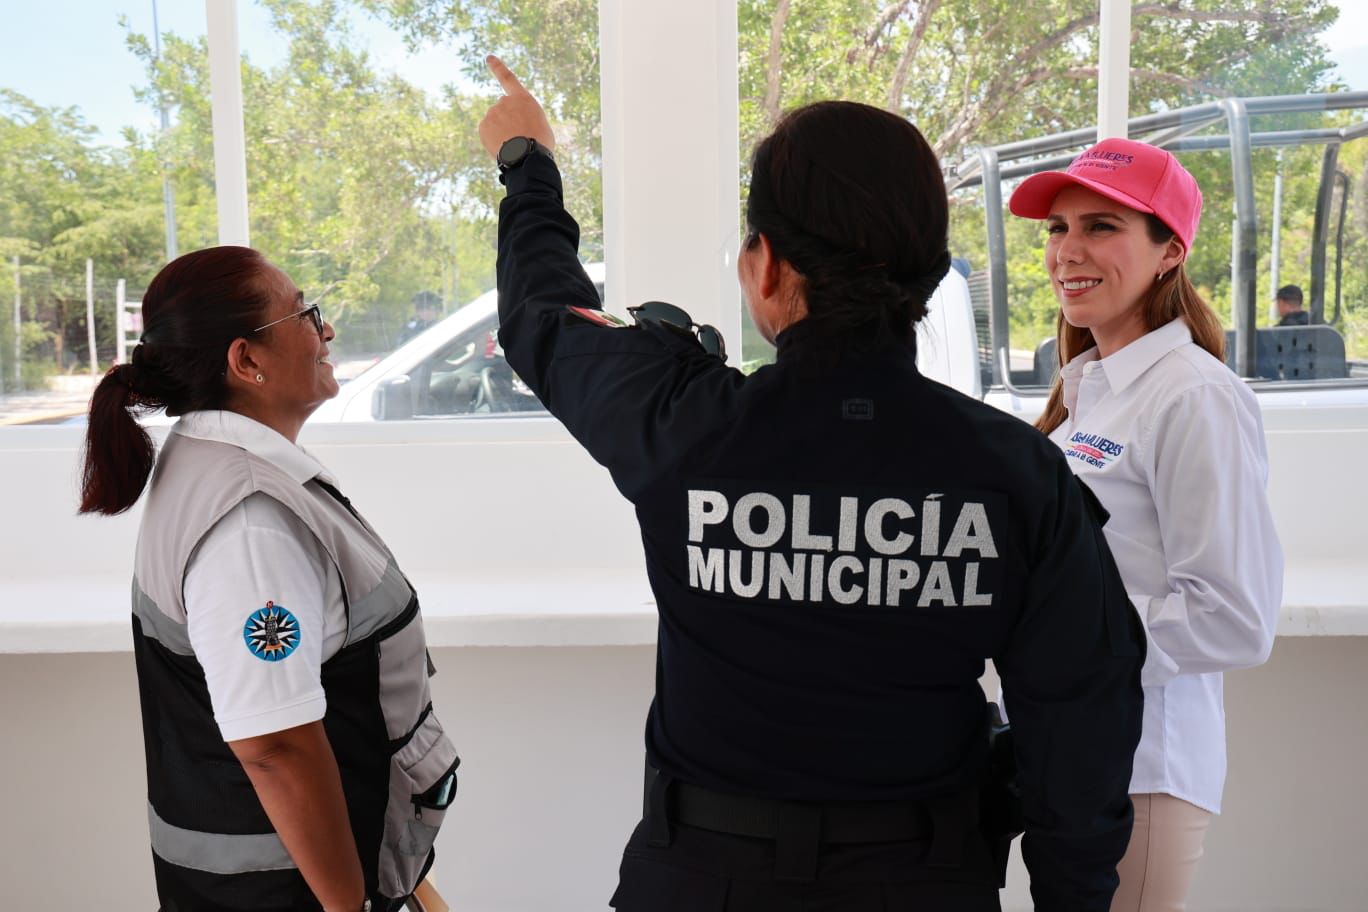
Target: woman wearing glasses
835,544
293,760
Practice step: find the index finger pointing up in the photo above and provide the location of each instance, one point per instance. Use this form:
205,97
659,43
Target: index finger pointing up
507,80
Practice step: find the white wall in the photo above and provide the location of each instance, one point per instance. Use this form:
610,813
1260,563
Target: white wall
550,781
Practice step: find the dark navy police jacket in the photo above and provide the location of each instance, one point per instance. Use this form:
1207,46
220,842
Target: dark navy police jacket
834,554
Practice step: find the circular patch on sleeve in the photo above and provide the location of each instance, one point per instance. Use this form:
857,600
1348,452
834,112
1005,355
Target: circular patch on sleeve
272,633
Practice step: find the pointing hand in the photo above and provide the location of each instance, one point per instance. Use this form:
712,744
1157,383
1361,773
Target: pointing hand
517,113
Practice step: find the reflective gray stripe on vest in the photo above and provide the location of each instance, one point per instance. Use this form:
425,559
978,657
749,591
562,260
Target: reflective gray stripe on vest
174,635
376,608
217,853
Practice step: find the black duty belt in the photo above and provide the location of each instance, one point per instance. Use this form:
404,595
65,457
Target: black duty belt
800,828
764,818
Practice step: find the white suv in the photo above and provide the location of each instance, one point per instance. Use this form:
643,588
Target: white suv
456,366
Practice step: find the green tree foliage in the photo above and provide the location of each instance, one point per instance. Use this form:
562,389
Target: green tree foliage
368,190
984,72
361,187
63,200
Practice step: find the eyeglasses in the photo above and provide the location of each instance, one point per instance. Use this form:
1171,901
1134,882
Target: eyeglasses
677,317
314,314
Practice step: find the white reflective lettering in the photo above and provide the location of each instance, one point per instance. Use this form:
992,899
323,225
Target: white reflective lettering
972,531
839,592
802,518
735,559
931,515
937,587
876,581
874,523
787,575
744,512
815,578
971,594
705,572
706,508
902,576
845,530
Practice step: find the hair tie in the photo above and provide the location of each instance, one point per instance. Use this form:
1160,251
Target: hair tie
925,284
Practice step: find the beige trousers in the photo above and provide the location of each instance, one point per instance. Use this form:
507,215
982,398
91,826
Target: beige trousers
1161,859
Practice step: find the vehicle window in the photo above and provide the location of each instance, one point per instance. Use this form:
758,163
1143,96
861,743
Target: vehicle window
471,377
465,376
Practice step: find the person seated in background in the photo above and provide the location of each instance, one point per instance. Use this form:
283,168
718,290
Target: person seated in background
1290,311
427,306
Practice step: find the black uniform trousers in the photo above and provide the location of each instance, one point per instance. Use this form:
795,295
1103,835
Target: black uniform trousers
677,867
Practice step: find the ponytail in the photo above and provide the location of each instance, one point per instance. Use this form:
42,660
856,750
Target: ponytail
192,311
118,451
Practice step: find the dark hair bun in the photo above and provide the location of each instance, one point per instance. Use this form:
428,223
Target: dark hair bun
852,197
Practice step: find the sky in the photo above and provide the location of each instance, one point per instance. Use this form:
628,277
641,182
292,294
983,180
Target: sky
71,52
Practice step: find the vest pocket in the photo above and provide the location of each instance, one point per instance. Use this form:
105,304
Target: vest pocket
422,785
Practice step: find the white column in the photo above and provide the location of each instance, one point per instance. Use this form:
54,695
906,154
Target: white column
18,328
1113,69
230,147
120,324
90,317
1275,256
670,157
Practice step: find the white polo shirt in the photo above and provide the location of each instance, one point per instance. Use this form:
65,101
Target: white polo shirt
1172,443
261,553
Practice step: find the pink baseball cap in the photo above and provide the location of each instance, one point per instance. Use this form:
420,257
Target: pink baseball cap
1134,174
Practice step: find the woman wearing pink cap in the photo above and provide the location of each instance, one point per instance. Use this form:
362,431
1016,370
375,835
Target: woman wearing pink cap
1172,443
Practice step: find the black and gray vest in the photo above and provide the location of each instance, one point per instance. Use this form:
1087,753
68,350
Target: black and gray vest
213,846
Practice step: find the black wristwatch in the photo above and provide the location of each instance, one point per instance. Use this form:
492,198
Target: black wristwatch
515,151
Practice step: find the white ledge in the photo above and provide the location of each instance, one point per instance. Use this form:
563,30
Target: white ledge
608,608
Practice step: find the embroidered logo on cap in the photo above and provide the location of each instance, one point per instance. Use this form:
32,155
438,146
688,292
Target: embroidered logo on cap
271,633
1101,160
1094,449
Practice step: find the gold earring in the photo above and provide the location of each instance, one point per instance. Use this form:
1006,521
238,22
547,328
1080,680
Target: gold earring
260,379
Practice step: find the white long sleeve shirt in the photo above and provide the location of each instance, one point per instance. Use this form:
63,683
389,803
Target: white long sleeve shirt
1172,443
260,553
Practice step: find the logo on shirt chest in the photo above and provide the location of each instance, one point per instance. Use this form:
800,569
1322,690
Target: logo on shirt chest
271,633
1093,449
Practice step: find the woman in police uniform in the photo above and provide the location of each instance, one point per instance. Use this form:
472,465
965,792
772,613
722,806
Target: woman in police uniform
293,760
1172,441
836,544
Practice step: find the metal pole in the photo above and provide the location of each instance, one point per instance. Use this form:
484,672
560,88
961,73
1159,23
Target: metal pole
1113,69
120,331
90,317
1245,285
1320,232
230,145
997,268
1274,280
18,327
168,194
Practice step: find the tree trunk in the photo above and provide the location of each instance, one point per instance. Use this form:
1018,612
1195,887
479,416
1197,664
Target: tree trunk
925,11
774,64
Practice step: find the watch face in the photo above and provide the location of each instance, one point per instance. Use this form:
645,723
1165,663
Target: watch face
513,151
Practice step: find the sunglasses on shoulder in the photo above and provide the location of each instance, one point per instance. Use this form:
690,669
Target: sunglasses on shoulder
677,317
